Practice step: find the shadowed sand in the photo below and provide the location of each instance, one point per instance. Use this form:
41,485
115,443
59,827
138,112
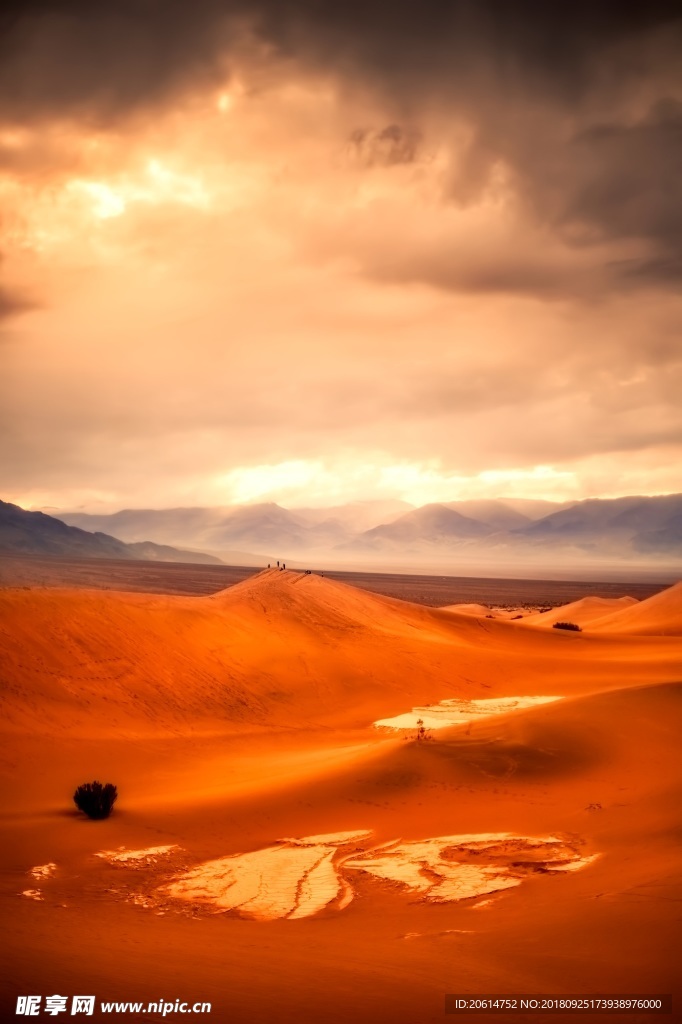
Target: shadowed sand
232,721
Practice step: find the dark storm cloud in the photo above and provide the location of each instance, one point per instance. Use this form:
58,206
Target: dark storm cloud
62,54
101,61
581,103
626,177
385,148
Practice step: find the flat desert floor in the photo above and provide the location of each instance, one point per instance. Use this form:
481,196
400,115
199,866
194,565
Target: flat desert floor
277,854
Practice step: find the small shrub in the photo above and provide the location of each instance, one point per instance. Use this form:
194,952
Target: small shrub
95,800
567,625
422,734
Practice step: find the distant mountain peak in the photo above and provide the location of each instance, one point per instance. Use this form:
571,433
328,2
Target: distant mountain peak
35,533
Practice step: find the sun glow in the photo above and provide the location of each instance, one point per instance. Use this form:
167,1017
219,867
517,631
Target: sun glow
250,483
157,184
106,202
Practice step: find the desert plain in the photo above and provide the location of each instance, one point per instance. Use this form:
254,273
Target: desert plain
276,852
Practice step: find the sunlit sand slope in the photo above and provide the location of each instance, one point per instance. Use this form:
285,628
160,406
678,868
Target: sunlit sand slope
481,610
660,615
582,612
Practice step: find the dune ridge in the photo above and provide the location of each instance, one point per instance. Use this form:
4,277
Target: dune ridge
659,615
279,649
583,612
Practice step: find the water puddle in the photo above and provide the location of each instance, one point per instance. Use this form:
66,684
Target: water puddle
450,868
295,878
301,877
457,711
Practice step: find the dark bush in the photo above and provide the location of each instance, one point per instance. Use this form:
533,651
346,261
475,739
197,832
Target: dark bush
422,733
94,799
568,625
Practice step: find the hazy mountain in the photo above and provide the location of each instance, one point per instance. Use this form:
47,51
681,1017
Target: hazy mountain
630,524
434,524
490,532
505,531
494,512
168,526
264,527
356,516
536,508
35,533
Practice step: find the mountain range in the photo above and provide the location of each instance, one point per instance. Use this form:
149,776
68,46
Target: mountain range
636,528
34,533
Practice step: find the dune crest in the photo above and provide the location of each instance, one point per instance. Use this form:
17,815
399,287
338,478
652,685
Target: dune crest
659,615
583,612
280,649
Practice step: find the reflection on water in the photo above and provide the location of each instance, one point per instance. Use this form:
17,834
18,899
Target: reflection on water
300,877
456,711
451,868
295,878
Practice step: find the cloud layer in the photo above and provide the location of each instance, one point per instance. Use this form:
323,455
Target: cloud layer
421,248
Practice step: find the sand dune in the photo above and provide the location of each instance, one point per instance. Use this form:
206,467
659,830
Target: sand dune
660,615
582,612
469,609
279,649
411,869
482,610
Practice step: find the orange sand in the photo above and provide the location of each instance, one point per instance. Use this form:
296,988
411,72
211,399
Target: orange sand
231,722
583,612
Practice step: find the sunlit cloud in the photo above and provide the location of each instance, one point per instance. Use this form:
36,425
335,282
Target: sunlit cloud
105,201
157,184
285,282
252,483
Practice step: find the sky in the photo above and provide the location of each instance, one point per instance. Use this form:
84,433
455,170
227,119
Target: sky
313,253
